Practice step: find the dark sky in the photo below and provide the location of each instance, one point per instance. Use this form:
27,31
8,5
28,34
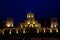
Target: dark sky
17,9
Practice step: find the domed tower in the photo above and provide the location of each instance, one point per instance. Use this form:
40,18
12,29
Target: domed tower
30,15
31,22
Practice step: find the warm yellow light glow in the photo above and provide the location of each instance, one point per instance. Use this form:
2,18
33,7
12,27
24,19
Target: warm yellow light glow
28,22
23,30
44,31
37,30
54,22
3,32
31,25
33,22
36,25
50,30
55,25
17,31
8,24
30,15
12,24
21,25
56,30
10,31
39,25
51,25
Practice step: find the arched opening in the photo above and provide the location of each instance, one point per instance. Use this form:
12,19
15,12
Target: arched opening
13,31
20,31
6,31
47,31
41,31
30,30
54,31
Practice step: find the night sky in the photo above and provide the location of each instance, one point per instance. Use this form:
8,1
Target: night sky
17,9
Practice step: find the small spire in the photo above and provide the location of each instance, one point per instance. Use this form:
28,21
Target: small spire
30,11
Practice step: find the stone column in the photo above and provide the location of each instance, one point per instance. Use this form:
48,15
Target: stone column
23,30
44,30
10,31
50,30
3,31
37,30
56,29
17,31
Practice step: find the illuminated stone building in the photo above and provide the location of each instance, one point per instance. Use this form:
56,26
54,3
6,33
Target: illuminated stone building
28,25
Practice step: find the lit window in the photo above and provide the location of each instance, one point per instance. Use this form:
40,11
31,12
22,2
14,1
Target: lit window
28,22
36,25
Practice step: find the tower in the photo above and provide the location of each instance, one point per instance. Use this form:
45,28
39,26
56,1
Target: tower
9,22
30,15
54,23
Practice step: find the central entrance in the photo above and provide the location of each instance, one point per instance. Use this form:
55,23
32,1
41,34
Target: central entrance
31,30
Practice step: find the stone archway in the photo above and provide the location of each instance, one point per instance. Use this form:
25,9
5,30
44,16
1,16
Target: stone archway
13,31
47,30
20,31
30,30
6,31
53,30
